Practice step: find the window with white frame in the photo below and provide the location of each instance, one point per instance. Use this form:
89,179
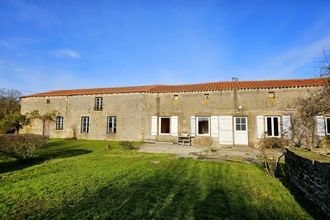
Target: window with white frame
59,122
273,126
327,124
98,103
240,123
165,125
111,124
84,124
203,125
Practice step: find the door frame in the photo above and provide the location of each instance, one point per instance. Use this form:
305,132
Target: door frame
238,131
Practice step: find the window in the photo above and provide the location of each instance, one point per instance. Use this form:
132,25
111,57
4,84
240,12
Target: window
164,125
59,122
240,124
98,103
176,97
271,94
203,126
48,101
327,124
206,96
84,124
273,126
111,124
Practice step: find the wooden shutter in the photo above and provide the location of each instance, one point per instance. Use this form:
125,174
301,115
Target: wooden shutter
260,126
226,130
320,126
153,125
192,125
214,126
287,126
174,125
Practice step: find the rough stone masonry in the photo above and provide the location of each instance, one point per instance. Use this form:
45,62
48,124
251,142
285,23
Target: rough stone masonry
311,177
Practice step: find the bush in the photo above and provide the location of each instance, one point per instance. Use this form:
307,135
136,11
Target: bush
127,145
21,146
273,143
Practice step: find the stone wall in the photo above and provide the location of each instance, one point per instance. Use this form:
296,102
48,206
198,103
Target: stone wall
134,112
311,177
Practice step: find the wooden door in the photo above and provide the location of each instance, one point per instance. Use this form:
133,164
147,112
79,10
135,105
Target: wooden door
46,128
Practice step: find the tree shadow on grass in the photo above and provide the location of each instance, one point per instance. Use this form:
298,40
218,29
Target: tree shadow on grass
169,193
50,151
298,195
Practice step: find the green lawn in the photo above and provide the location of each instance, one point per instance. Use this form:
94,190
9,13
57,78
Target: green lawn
83,179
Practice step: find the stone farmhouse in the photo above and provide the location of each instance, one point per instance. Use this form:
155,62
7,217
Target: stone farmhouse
216,113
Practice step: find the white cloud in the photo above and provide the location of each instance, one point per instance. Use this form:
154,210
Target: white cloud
19,69
67,53
289,63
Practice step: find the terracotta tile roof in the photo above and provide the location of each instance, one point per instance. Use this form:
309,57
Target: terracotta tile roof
212,86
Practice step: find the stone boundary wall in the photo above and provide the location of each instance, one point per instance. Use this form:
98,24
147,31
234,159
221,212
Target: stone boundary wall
311,177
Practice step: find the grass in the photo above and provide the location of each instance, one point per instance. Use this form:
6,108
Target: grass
82,179
311,155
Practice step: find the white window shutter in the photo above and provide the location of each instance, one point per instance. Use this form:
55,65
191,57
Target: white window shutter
287,126
320,126
153,125
193,126
214,126
174,125
260,126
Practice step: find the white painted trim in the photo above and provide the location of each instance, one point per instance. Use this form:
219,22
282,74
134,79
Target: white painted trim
209,126
160,125
272,120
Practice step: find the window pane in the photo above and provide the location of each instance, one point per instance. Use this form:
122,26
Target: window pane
165,125
238,127
269,126
238,120
276,126
243,127
203,125
243,120
328,125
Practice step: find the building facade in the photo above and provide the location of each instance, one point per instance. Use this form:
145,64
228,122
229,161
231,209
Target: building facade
220,113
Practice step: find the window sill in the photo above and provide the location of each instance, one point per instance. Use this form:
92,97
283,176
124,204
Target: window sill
203,135
164,134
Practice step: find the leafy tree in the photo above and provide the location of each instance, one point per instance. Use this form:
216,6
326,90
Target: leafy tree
9,102
13,122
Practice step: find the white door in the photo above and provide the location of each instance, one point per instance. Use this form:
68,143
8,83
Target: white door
241,131
226,130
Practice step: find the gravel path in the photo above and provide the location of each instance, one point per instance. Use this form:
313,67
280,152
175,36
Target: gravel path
171,149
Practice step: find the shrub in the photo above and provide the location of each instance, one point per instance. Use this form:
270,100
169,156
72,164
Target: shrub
21,146
127,145
273,143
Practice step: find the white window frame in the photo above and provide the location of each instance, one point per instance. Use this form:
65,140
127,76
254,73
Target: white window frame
160,125
84,124
111,120
279,126
59,122
197,126
98,103
240,123
326,126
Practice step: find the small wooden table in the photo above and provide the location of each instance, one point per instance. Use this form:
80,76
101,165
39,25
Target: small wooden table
184,140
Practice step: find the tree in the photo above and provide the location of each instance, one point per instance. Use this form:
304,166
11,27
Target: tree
304,124
9,102
325,64
13,122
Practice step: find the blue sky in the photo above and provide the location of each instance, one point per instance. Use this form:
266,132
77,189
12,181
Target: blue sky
46,45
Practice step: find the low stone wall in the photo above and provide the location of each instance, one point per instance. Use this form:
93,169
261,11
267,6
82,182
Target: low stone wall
311,177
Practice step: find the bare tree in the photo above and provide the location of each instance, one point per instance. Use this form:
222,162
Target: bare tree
325,64
304,124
